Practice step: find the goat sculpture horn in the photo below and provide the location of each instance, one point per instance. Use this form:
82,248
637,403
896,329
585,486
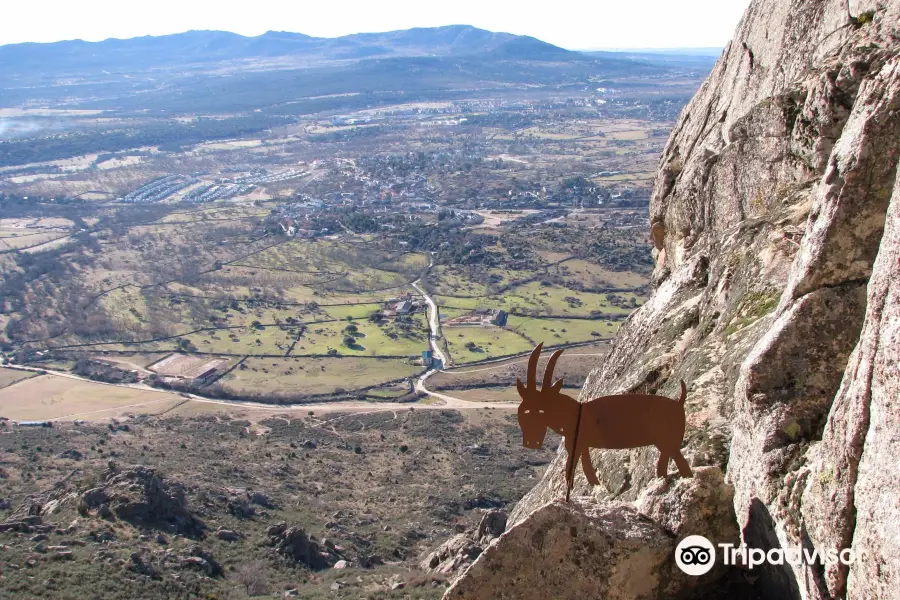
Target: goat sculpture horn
532,367
547,382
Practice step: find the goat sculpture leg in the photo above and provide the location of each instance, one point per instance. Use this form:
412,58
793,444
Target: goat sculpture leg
684,469
571,458
662,465
588,467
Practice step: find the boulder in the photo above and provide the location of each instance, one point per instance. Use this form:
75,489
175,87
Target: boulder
698,505
228,535
492,524
139,495
459,551
261,499
70,454
577,551
295,544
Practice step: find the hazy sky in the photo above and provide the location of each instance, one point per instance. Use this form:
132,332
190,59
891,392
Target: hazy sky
574,24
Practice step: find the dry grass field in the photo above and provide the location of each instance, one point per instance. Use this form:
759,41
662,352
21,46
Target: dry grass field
10,376
50,397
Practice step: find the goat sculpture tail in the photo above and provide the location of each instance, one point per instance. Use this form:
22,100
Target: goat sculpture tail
683,393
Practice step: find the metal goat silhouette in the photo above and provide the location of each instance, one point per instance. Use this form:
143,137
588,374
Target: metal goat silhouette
612,422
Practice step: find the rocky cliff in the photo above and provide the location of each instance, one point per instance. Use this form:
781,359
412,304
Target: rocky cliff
776,223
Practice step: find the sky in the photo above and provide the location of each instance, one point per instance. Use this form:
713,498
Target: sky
573,24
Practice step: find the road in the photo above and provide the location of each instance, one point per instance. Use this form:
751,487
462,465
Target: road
450,402
434,340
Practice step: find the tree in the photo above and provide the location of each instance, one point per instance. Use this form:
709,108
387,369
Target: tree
349,341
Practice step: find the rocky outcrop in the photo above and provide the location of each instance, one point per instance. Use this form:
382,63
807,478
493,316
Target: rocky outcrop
700,505
577,551
139,495
461,550
773,219
294,543
851,490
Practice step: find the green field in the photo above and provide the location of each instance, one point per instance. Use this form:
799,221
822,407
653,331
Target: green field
562,331
489,342
372,339
315,375
552,300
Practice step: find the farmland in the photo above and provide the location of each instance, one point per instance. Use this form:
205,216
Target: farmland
274,263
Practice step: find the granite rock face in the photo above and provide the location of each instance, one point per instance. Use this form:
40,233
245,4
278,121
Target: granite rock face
698,505
575,552
461,550
774,222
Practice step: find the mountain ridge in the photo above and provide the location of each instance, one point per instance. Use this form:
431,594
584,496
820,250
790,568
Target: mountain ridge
212,46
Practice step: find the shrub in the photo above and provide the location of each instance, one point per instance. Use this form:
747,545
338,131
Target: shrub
252,576
864,18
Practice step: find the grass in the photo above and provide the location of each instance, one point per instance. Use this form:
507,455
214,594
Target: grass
562,331
15,242
376,340
244,340
52,397
314,375
754,306
547,300
489,342
355,311
589,273
11,376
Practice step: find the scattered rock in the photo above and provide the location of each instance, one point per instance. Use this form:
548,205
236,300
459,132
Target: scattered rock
239,507
459,551
341,564
71,454
261,499
492,524
202,560
228,535
294,543
140,496
370,561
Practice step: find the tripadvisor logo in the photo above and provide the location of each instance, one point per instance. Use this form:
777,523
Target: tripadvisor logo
695,555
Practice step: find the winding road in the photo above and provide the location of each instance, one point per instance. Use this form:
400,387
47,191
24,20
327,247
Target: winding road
434,340
355,406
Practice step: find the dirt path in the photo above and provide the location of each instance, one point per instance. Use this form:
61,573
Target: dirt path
524,359
355,406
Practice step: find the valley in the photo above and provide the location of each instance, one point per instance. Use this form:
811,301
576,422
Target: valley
293,289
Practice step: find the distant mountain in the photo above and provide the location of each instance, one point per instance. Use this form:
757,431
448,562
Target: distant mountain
196,48
714,51
291,73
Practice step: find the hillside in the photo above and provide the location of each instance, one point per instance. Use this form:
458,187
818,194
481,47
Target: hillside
193,49
217,71
776,219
